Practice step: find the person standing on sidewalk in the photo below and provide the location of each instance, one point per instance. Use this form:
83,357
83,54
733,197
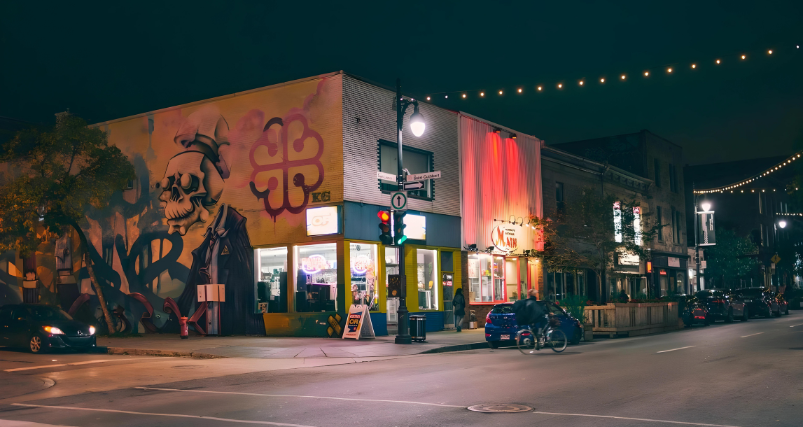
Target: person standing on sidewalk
459,305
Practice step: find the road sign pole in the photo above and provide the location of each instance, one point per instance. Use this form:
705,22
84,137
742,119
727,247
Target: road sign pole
403,334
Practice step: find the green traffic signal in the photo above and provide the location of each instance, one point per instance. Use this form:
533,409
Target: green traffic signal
398,227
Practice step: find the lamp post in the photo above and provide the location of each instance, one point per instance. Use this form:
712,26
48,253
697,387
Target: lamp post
706,207
417,125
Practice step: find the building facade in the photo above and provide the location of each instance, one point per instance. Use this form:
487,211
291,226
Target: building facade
640,166
501,183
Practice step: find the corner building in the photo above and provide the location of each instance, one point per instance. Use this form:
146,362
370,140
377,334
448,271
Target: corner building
273,192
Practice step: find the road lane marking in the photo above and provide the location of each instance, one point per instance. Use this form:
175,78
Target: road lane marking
633,419
758,333
674,349
302,396
154,414
57,365
796,325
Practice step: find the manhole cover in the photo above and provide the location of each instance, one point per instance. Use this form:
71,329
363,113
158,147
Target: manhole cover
499,407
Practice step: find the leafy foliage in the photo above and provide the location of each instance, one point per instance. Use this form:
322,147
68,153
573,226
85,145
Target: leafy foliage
53,176
576,305
584,236
730,259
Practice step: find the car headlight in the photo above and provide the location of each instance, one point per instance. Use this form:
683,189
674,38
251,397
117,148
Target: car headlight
91,330
53,330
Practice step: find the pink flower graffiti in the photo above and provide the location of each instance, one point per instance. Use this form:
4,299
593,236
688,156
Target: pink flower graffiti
281,163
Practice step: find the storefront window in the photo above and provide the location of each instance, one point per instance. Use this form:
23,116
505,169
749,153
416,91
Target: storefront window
486,278
427,279
680,286
271,280
316,278
363,274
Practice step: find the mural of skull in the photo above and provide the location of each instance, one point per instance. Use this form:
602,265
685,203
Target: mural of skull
190,186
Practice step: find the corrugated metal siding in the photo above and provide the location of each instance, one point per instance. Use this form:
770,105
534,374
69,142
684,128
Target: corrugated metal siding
501,177
373,106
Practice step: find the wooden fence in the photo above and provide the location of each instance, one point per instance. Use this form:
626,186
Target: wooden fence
632,319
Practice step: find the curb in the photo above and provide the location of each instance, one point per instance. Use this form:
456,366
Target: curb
161,353
459,347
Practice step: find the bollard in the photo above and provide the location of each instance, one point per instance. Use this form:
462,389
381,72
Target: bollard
182,324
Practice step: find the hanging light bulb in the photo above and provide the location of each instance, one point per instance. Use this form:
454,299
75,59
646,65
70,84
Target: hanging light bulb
482,93
769,51
744,57
519,90
602,80
500,92
581,82
539,88
560,85
464,95
694,65
623,76
718,61
427,98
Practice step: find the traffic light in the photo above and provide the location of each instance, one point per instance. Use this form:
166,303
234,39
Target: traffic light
398,227
384,227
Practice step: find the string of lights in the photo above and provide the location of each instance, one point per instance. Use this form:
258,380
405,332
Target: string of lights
742,183
582,82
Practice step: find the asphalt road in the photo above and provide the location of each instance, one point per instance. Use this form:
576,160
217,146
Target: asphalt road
740,374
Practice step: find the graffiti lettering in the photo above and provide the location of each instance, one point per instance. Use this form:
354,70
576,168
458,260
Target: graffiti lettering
319,197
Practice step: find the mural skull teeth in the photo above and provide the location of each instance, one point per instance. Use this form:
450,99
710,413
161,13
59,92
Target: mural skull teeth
191,186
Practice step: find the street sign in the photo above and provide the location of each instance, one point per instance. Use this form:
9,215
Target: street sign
775,259
413,185
398,200
384,176
423,176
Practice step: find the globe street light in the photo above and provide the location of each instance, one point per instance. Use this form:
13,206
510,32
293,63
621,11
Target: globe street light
706,206
782,223
417,125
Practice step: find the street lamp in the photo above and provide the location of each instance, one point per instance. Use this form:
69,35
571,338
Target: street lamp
782,223
417,125
706,205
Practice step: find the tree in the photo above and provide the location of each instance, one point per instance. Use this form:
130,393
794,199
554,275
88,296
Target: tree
732,258
54,176
585,236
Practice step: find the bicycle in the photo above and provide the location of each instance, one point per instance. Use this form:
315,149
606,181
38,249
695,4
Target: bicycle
551,337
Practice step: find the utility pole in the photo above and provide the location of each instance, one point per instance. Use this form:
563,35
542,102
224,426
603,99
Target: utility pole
403,334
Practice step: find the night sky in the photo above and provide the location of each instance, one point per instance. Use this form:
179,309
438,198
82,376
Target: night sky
107,60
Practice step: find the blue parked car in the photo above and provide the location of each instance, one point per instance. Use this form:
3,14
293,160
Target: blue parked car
500,324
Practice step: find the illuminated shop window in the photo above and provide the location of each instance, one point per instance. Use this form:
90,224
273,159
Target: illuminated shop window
271,280
486,278
316,278
427,266
364,278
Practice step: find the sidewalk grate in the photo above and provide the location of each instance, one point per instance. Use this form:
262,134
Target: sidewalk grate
499,407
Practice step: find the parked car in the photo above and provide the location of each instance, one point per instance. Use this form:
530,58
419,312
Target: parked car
501,327
783,306
722,305
692,310
41,328
756,301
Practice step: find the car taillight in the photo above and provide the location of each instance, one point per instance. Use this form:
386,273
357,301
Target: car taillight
488,318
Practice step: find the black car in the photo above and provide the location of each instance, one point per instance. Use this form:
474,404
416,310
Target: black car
41,328
722,305
692,310
757,301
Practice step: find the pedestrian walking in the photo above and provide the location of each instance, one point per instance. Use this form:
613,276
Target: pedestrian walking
459,305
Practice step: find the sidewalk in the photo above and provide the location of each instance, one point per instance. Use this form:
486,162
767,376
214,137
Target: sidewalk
288,347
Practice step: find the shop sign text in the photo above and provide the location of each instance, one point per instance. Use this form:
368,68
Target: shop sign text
504,238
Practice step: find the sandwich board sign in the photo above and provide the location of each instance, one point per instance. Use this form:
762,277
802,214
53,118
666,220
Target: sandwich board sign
358,323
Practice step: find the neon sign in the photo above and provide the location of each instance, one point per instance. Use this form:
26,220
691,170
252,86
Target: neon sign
361,264
314,264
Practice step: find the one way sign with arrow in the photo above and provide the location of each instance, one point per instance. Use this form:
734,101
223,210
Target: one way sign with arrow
413,185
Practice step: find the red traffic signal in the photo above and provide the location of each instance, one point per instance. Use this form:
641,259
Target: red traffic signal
384,216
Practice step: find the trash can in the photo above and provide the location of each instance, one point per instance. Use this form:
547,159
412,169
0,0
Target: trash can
418,327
